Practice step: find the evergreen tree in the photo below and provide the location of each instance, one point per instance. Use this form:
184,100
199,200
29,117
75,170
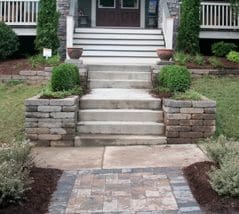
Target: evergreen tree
189,28
47,26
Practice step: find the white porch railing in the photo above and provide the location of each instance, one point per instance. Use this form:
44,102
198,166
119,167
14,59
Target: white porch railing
218,15
167,26
19,12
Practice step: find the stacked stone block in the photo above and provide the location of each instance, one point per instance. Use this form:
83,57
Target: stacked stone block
51,122
28,76
189,121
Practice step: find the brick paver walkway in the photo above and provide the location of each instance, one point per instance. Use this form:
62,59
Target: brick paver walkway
126,191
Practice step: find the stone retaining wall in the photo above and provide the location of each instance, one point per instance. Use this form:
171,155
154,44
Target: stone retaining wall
51,122
195,72
29,76
189,121
42,77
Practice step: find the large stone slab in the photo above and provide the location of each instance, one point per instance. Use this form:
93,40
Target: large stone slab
152,156
69,158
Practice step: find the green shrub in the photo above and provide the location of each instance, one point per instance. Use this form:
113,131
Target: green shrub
40,60
47,26
15,165
181,58
233,56
8,41
65,77
187,95
198,59
174,77
221,49
221,149
225,180
215,62
189,28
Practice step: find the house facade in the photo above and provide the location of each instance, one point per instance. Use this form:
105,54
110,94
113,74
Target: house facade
131,29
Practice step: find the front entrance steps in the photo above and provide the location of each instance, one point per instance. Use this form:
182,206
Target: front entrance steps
111,116
119,45
118,113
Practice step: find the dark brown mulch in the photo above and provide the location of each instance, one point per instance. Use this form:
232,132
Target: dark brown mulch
38,198
161,94
226,64
13,67
209,200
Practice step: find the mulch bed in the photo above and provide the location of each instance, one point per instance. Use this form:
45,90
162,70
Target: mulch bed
209,200
38,198
160,94
13,67
226,64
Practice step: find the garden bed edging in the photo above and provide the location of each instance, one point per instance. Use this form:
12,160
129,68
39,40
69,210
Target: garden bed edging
51,122
188,121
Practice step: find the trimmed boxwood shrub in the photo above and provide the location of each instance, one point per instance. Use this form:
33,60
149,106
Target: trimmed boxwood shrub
47,26
8,41
65,77
221,49
175,78
189,28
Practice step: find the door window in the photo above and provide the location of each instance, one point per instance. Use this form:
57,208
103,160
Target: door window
129,4
106,4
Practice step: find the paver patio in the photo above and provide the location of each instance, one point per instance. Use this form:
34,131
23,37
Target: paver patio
111,183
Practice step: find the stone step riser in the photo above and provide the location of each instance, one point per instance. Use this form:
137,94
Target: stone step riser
120,75
116,115
120,104
124,128
120,84
118,140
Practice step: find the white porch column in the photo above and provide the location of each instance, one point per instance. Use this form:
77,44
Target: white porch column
93,13
69,33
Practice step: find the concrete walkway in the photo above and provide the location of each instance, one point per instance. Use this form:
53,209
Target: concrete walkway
118,157
127,180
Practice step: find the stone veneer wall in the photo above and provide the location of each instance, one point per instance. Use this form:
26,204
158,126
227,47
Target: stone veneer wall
188,121
51,122
63,7
173,6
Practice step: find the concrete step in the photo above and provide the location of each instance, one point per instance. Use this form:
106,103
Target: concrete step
107,53
116,47
118,140
119,68
120,84
149,42
119,127
120,99
121,115
119,75
99,60
118,30
113,36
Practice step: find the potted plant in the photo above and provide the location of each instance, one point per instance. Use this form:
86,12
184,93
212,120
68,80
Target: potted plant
75,53
165,54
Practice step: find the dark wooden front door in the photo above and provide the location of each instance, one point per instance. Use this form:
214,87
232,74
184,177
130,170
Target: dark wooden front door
118,13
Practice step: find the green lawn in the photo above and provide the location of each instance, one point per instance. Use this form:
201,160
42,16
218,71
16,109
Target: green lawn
12,98
225,90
